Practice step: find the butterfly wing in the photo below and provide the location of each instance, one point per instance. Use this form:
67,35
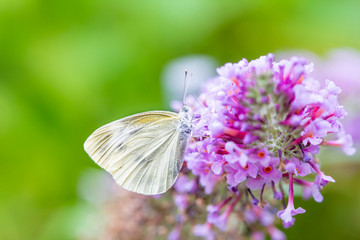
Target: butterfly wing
143,152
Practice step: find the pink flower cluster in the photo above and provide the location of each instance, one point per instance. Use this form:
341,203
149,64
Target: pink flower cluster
258,126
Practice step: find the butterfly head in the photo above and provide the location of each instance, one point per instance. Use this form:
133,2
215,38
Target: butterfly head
185,112
185,109
185,116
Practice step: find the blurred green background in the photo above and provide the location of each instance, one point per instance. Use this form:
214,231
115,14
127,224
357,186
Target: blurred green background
68,67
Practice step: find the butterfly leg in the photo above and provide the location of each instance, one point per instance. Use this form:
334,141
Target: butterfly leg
193,139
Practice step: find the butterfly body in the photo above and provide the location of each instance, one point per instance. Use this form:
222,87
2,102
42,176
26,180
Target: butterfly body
144,152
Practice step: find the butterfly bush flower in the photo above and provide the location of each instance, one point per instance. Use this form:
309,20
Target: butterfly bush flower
257,128
342,67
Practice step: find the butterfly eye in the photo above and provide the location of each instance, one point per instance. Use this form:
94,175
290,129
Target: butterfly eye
185,109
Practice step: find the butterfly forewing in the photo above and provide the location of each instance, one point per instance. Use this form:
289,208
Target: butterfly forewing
143,152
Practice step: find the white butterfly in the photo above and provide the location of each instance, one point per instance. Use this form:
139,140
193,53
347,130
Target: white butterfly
143,152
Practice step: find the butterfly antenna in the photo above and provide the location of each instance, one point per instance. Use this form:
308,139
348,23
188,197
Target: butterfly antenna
186,85
193,139
198,101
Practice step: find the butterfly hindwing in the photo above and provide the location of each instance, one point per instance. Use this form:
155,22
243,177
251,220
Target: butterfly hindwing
143,152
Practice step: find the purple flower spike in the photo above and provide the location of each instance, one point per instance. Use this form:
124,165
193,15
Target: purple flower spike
217,167
298,168
345,142
286,215
255,126
235,154
290,211
311,188
238,173
331,88
315,189
324,179
255,183
270,173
